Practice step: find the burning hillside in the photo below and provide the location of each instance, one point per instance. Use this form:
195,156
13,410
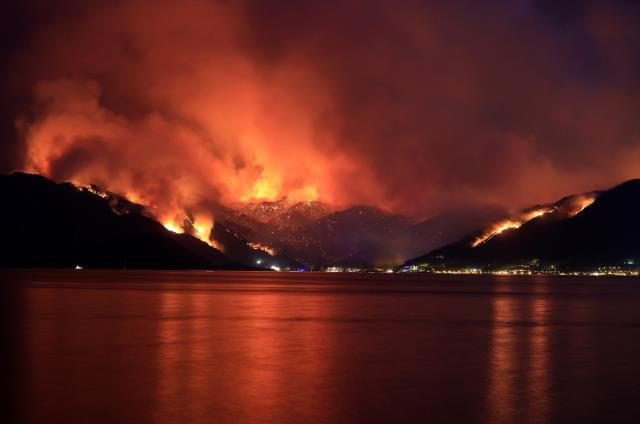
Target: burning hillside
509,223
565,208
215,102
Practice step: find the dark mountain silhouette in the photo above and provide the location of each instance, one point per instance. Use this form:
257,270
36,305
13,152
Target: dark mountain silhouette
357,236
239,249
57,225
607,232
60,225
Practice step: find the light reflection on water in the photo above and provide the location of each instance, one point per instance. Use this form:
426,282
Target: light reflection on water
538,376
324,348
503,361
519,388
238,345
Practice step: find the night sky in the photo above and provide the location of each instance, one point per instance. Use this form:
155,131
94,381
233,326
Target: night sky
412,106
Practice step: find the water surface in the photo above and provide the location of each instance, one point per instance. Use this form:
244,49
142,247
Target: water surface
242,347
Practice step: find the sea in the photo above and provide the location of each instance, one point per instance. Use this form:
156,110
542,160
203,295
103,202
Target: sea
97,346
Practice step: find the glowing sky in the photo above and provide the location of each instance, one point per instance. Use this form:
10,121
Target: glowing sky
412,106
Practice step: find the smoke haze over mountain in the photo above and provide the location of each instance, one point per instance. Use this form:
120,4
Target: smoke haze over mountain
411,106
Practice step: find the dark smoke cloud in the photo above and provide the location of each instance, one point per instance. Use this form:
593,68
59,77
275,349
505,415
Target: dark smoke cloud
414,106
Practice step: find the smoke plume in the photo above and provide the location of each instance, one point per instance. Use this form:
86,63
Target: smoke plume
411,106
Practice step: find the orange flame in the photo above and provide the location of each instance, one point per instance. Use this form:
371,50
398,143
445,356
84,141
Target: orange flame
93,190
581,203
509,223
171,226
200,226
269,250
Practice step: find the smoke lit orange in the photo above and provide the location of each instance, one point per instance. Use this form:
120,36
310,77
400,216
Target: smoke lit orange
236,109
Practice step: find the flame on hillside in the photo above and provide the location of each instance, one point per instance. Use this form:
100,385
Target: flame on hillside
510,223
568,207
171,226
94,190
199,226
269,250
581,203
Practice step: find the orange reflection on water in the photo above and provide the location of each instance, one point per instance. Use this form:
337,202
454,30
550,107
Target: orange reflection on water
227,355
519,355
287,340
538,369
502,362
170,354
262,379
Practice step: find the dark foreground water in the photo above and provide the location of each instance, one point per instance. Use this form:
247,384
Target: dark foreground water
236,347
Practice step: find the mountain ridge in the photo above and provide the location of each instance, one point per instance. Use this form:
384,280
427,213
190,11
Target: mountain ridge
57,225
604,232
289,235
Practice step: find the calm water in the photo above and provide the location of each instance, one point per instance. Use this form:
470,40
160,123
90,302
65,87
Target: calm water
191,347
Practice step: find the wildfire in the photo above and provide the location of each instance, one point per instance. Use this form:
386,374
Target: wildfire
509,223
269,250
200,227
94,190
171,226
567,207
266,188
306,194
202,230
581,203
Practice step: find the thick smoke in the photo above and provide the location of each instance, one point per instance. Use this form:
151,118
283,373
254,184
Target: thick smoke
412,106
